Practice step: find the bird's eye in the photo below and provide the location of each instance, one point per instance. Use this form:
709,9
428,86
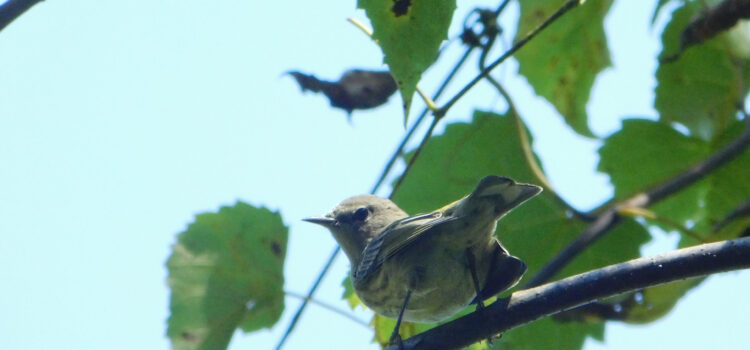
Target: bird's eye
361,214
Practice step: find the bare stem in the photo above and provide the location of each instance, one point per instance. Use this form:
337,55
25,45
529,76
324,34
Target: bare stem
306,300
528,154
414,157
329,307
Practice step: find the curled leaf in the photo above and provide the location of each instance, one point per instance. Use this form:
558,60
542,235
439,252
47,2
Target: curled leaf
356,89
711,22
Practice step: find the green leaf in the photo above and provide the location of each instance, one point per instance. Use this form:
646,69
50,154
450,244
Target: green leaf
658,301
225,272
644,154
451,165
349,295
562,62
657,9
409,33
701,89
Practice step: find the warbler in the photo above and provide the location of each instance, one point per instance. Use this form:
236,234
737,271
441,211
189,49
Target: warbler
426,268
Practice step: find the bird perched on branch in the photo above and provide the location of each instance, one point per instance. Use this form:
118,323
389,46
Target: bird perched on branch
426,268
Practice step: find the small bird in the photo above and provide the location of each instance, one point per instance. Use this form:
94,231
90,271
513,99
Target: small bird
428,267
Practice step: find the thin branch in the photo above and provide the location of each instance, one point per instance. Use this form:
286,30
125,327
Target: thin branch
610,217
532,304
328,307
12,9
308,297
414,157
650,215
569,5
418,122
528,154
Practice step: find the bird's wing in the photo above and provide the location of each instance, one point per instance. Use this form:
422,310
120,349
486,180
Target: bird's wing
395,237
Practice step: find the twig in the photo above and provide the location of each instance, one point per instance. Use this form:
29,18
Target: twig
610,217
12,9
528,305
418,122
308,297
414,156
328,307
569,5
650,215
529,155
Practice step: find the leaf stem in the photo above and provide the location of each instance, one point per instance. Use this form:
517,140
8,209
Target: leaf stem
361,26
567,6
329,307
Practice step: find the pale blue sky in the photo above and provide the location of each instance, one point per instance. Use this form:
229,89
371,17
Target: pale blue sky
120,120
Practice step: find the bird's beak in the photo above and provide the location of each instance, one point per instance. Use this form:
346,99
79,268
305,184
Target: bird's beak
321,220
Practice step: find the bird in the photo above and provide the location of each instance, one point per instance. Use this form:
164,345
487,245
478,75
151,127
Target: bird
427,267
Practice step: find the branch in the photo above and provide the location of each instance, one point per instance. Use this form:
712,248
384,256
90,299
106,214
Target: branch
308,297
418,122
528,154
567,6
13,9
531,304
414,157
611,217
329,307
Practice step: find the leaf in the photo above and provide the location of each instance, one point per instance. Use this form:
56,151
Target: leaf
409,33
658,301
349,295
702,87
644,154
356,89
658,153
225,272
562,62
659,5
451,165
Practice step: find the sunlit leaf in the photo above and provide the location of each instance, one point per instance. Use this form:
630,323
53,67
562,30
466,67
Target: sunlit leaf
644,154
701,88
562,62
226,272
409,34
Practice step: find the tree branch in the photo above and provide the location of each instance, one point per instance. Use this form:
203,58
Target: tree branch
400,149
13,9
610,218
531,304
567,6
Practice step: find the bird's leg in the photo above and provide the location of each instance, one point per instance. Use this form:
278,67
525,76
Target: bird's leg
395,336
473,270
